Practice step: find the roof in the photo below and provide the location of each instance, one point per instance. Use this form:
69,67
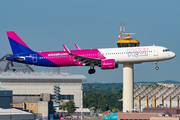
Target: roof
4,89
77,110
128,41
41,76
25,99
161,108
12,111
122,115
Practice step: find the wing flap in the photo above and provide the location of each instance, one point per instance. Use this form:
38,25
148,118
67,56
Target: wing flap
86,60
83,59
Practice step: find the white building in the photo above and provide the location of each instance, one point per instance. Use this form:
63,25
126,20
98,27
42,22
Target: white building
63,86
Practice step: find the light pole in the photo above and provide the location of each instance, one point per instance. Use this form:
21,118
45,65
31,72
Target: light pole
35,111
10,110
81,102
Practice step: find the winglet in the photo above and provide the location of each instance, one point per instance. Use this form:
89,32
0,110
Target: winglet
66,49
77,47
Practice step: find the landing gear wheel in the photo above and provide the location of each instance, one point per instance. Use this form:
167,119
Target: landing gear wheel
91,71
157,68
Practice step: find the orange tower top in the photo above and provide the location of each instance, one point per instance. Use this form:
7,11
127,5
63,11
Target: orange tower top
127,40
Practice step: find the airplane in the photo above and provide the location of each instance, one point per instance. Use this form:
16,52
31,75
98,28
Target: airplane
107,58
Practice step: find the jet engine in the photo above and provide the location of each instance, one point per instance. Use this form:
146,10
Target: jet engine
108,64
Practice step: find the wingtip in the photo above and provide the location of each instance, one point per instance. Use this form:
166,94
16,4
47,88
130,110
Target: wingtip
66,49
77,47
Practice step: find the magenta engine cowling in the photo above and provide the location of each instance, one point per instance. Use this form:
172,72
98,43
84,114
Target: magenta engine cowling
108,64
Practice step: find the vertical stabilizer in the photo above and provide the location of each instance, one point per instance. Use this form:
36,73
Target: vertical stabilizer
17,45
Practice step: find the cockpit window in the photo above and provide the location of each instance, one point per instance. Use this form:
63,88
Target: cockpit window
165,50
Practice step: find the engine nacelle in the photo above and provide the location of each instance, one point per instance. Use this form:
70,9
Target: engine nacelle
108,64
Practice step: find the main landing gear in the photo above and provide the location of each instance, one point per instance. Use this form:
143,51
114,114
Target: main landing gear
91,70
157,68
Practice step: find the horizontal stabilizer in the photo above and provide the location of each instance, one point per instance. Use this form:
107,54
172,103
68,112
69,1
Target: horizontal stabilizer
15,58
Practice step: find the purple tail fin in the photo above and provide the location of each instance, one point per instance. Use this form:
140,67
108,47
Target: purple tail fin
17,45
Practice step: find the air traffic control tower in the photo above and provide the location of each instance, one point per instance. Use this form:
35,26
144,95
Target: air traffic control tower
128,70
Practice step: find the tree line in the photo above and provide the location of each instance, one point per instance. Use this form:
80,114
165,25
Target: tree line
104,100
104,96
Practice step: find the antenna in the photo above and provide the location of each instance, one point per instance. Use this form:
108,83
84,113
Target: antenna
120,31
124,31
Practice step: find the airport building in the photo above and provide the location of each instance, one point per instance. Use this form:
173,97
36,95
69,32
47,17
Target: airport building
152,96
15,114
63,86
27,84
6,110
5,98
154,102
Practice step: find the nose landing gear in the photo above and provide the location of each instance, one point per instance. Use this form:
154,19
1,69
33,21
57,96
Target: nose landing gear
157,68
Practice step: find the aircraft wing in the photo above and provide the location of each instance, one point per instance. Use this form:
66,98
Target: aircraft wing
86,60
83,59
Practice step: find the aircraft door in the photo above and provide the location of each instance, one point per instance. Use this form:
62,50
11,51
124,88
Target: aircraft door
155,51
34,58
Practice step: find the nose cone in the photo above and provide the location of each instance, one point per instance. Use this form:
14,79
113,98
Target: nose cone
173,55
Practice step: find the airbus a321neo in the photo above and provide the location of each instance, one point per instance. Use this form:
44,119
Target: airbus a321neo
107,58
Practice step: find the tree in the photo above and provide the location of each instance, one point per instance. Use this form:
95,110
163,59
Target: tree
103,104
63,105
70,106
115,110
85,103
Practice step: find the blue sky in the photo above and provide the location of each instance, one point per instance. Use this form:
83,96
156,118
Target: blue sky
46,25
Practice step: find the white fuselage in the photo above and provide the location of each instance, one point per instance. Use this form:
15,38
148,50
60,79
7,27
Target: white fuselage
138,54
